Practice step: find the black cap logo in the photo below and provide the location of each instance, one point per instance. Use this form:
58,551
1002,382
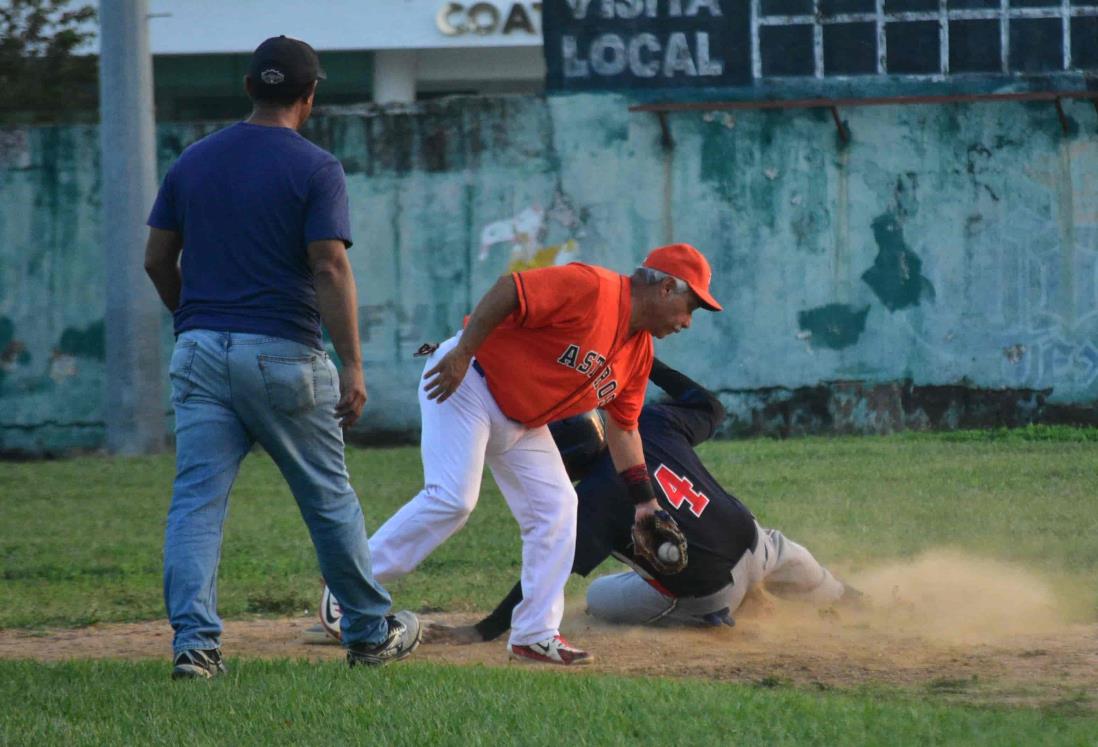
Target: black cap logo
272,77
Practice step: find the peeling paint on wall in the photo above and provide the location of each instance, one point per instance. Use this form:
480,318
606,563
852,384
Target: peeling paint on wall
835,326
1014,353
88,342
520,230
896,274
7,332
14,149
13,352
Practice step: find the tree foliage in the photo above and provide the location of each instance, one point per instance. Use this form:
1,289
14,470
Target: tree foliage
41,76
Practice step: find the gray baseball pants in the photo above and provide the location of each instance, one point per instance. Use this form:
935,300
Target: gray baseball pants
788,570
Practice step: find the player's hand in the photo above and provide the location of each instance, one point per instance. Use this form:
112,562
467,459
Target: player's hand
352,395
644,509
444,379
457,635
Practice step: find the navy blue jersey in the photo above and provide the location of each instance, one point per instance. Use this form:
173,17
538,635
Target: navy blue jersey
718,528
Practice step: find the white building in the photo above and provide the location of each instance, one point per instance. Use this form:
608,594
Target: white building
373,50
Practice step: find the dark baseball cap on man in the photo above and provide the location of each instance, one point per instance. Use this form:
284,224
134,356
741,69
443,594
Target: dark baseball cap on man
284,65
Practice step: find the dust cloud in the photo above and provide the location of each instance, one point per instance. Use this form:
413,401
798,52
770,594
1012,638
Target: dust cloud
946,596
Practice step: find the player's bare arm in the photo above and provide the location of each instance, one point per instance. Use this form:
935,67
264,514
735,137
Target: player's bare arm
496,305
337,301
162,252
627,453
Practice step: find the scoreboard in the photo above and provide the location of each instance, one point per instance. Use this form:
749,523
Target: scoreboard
814,45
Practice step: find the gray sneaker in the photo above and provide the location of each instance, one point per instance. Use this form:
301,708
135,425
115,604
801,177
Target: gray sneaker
404,636
198,664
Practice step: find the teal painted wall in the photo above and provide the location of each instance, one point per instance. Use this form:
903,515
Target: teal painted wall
944,249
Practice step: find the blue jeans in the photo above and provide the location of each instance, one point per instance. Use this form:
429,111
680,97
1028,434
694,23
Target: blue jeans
231,390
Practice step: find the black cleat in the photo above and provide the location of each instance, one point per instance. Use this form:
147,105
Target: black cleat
404,636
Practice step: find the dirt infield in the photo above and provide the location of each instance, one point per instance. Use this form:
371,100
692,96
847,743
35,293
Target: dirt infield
942,626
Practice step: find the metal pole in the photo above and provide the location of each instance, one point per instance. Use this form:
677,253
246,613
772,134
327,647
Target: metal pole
394,76
134,408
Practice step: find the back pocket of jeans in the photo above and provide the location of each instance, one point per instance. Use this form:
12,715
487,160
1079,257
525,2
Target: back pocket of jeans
179,370
290,383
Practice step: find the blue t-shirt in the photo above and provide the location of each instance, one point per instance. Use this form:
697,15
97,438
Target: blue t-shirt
248,199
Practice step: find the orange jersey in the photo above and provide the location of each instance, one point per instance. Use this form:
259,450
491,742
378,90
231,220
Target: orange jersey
566,350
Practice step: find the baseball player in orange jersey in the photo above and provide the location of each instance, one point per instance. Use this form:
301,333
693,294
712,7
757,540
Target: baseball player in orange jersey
541,345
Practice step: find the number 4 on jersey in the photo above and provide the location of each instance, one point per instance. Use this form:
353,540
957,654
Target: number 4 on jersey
679,490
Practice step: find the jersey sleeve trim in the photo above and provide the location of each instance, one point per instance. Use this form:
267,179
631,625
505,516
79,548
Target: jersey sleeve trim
520,288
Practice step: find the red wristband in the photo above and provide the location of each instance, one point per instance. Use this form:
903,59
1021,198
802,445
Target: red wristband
638,484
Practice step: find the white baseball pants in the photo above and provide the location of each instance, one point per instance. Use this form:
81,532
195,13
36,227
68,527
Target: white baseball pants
458,436
788,570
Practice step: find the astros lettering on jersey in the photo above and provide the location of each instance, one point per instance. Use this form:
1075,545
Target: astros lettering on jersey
565,350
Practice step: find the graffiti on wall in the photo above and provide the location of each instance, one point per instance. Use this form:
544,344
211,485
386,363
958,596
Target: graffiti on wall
1049,282
527,232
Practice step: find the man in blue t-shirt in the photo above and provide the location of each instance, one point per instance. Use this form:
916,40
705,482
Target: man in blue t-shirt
260,218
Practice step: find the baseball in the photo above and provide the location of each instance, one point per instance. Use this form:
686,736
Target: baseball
668,552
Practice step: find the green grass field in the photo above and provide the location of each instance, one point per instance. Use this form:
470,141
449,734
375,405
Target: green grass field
80,542
415,703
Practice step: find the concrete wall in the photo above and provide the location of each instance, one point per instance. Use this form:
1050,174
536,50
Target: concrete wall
938,270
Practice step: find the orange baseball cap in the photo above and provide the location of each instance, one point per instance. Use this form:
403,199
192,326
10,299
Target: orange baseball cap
687,264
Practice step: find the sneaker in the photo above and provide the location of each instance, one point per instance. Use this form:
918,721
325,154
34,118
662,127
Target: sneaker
330,613
403,638
553,650
318,636
198,663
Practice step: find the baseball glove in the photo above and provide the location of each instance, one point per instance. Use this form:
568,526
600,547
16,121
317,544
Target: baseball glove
658,539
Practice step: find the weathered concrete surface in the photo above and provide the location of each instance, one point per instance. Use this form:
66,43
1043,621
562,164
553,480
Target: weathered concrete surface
947,254
52,306
863,407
